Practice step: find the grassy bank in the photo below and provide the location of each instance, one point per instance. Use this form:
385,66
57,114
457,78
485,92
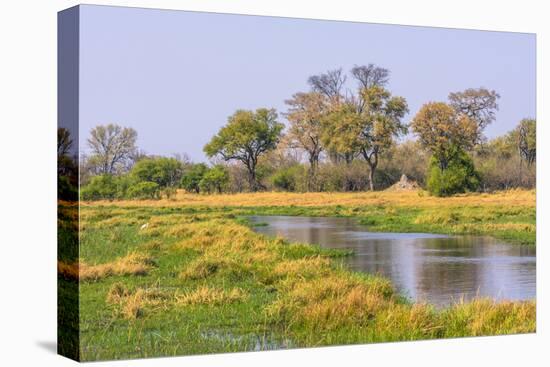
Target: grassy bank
186,276
508,215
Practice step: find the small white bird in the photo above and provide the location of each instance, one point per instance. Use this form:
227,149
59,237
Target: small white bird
144,226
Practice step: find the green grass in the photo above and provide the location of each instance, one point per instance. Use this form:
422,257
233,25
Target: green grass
211,284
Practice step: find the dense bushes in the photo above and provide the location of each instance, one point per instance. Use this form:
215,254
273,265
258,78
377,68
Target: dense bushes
192,178
214,180
147,180
144,190
165,172
289,178
101,187
457,177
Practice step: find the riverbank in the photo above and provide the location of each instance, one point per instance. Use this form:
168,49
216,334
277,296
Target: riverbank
154,273
508,215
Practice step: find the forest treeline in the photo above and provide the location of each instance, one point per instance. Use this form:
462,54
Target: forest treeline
347,133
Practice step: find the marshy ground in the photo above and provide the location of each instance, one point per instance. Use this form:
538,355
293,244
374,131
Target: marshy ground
189,275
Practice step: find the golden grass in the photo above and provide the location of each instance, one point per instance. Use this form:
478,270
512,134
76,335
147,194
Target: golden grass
132,304
331,301
211,296
305,268
486,317
132,264
516,197
307,291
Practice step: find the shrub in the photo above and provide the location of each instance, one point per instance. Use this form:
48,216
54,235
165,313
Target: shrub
214,180
100,187
459,176
190,181
144,190
163,171
289,178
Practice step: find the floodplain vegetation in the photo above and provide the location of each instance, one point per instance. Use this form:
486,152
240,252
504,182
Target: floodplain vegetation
189,275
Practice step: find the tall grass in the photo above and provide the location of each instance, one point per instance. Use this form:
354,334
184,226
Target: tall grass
197,271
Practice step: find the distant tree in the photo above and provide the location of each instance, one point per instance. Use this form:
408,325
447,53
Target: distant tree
368,127
370,75
305,114
527,140
67,167
480,105
330,84
64,141
165,172
246,136
112,146
192,177
215,179
440,127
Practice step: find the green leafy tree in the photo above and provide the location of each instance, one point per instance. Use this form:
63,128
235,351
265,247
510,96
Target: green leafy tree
246,136
367,125
440,129
214,180
305,114
192,177
459,176
165,172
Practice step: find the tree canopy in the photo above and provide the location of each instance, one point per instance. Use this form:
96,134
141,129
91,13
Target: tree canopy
439,127
480,105
305,114
368,127
112,147
246,136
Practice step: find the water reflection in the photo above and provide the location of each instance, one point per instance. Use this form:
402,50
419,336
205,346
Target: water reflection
426,267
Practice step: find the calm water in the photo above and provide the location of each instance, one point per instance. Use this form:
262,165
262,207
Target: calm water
426,267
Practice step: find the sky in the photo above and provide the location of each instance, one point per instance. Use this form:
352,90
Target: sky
177,76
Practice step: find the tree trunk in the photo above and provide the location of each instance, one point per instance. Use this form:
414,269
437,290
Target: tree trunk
312,174
371,178
372,161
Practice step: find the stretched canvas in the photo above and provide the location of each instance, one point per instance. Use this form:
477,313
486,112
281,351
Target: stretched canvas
234,183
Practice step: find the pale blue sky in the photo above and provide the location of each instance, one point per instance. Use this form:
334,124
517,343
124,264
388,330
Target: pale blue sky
176,76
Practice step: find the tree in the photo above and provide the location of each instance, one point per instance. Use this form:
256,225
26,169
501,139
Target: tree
64,141
527,140
368,127
439,128
246,136
459,176
480,105
191,179
112,146
305,115
67,167
215,179
329,84
370,75
166,172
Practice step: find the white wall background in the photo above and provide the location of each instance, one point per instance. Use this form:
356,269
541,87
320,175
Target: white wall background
28,181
